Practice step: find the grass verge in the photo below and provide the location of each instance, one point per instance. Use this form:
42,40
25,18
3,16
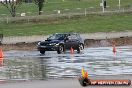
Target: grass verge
81,24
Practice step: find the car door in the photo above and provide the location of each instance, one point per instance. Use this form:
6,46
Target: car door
72,41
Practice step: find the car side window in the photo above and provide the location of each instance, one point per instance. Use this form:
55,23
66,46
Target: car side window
78,36
73,36
61,37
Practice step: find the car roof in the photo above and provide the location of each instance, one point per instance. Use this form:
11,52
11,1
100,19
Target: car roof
66,33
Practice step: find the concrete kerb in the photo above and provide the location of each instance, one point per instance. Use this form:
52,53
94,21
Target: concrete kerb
36,38
107,35
22,39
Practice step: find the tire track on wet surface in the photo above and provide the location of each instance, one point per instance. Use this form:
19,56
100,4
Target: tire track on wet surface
97,61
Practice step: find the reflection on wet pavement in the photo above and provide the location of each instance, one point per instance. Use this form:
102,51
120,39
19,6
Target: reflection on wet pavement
31,65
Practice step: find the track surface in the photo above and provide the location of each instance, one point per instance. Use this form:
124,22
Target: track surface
97,61
54,70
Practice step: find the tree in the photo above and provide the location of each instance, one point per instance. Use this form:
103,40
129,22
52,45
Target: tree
40,4
11,5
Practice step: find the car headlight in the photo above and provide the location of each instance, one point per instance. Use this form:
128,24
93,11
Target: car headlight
54,44
57,44
38,43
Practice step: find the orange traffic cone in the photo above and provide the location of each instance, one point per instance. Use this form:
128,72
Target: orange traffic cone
86,74
114,48
71,50
1,53
1,58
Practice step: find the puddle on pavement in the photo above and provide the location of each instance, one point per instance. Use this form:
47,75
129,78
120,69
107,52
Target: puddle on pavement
31,65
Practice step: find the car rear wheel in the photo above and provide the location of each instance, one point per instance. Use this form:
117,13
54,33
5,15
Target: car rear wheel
60,49
42,51
80,47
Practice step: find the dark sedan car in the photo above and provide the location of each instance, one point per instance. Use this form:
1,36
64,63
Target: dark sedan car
61,42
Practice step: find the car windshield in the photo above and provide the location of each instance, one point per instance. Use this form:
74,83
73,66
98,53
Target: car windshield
57,37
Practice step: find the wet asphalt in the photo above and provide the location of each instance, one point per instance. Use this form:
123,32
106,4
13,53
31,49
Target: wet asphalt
30,69
31,65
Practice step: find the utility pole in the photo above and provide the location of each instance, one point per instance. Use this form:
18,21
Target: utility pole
103,5
119,4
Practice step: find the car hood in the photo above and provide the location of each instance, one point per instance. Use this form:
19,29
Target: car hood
50,41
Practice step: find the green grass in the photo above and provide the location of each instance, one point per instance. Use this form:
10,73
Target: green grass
81,24
51,5
90,23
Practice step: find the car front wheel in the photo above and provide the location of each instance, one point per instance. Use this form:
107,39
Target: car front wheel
42,51
60,49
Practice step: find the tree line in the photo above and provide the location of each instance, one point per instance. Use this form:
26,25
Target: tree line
12,5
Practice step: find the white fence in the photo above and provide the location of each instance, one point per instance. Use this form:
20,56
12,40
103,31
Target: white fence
30,17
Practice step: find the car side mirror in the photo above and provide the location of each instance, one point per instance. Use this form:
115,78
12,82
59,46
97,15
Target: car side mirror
66,39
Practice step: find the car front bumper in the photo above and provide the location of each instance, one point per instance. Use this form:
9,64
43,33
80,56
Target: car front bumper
48,48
